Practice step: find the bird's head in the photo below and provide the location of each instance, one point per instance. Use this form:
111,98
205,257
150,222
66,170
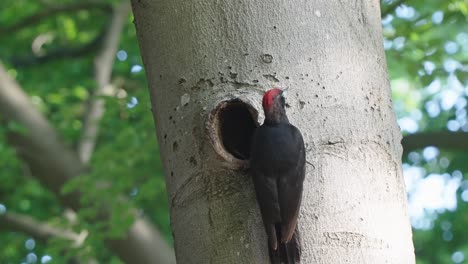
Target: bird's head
273,106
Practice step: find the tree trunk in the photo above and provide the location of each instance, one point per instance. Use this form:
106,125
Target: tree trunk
208,63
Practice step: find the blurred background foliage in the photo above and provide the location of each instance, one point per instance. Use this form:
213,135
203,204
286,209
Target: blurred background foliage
49,47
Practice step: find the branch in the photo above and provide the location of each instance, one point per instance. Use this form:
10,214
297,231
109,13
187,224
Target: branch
53,164
391,8
38,17
41,231
445,140
103,71
40,146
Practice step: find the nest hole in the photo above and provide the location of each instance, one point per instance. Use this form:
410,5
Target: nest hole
232,126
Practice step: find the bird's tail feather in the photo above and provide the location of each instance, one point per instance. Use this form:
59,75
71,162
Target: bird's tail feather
287,253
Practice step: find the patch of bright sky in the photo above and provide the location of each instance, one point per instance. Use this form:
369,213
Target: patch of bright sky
31,258
136,68
448,98
413,175
465,127
451,47
458,257
430,153
122,55
464,195
437,17
461,112
451,65
30,244
421,72
2,209
46,259
133,102
434,87
455,84
453,125
387,21
399,43
429,195
408,124
432,108
387,44
405,12
429,67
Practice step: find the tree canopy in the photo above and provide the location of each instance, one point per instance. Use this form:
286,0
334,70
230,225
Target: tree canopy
79,64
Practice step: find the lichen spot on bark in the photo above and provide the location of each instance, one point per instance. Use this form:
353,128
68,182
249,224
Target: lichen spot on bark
231,125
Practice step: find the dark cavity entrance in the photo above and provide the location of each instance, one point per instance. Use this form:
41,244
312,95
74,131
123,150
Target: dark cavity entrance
236,128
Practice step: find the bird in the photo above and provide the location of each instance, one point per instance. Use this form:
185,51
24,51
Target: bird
277,168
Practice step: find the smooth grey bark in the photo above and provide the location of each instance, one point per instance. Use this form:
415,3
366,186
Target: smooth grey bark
330,55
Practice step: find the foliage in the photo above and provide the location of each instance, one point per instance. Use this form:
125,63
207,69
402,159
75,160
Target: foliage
126,154
427,52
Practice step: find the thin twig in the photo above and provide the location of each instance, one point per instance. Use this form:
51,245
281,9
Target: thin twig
37,229
103,63
59,53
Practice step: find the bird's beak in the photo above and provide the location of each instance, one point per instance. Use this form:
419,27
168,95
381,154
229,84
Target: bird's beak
285,92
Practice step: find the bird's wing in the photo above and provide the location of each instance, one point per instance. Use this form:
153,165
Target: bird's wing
267,198
290,191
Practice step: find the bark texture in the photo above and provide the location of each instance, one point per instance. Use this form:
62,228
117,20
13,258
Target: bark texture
330,55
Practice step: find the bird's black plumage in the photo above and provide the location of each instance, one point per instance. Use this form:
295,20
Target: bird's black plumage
277,166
